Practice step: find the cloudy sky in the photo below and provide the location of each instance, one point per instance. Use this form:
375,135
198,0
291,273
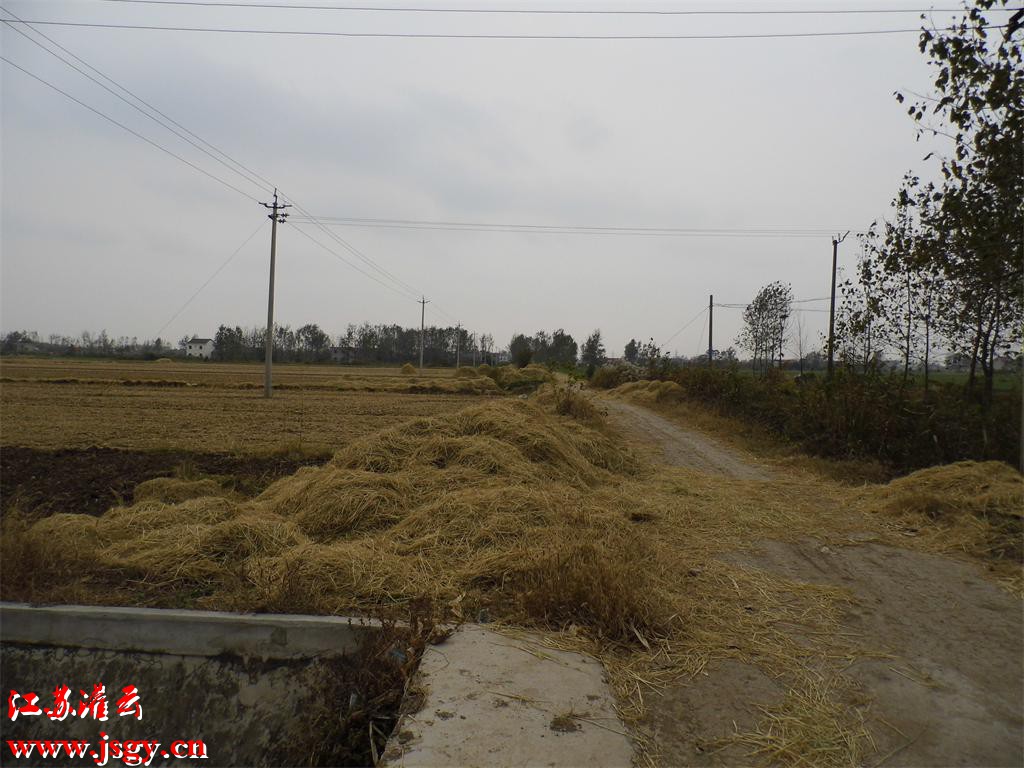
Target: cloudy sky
101,230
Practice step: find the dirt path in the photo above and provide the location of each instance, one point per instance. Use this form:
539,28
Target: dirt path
671,444
938,672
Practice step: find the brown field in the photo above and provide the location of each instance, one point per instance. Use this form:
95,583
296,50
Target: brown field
82,447
41,415
207,373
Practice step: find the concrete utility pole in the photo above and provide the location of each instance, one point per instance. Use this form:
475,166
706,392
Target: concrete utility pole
458,342
423,314
268,351
832,306
711,325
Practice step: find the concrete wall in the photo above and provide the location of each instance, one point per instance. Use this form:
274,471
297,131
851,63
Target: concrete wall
253,688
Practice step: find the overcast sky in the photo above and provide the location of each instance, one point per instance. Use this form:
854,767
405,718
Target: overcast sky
103,231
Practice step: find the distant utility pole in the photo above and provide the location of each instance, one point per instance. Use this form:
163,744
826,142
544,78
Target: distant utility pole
275,219
832,306
423,314
458,342
711,324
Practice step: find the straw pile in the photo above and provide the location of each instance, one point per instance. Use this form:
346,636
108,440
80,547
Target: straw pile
408,369
968,506
513,379
467,373
647,392
502,506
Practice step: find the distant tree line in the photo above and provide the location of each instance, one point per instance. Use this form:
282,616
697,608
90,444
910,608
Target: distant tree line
365,344
360,344
86,344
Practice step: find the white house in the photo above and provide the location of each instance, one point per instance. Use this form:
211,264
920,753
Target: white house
201,348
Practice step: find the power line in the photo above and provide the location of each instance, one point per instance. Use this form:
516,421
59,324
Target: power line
209,279
577,229
355,251
110,90
626,233
704,324
794,301
345,219
686,325
163,149
362,256
542,11
484,36
356,267
142,101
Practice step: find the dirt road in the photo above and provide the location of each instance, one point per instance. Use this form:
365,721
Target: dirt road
671,444
938,672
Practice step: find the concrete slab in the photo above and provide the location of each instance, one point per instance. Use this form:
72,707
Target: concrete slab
494,700
185,633
248,687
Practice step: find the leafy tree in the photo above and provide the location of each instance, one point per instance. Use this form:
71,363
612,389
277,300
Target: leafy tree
562,349
314,343
229,344
765,325
520,349
973,220
592,354
632,351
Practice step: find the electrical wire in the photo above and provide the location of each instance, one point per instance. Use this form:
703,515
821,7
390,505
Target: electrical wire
209,279
461,226
136,107
356,267
542,11
485,36
703,325
355,251
685,326
345,219
163,149
143,101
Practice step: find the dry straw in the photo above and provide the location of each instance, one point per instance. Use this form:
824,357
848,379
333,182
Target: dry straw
545,521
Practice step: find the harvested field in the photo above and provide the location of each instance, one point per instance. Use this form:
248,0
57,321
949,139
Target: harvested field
56,416
202,372
241,376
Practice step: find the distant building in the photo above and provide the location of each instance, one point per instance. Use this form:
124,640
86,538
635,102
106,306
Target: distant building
201,348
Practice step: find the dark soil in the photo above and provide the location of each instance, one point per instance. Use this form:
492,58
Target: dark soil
91,480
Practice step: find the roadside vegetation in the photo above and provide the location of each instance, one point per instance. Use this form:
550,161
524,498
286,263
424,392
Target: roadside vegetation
943,274
857,415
